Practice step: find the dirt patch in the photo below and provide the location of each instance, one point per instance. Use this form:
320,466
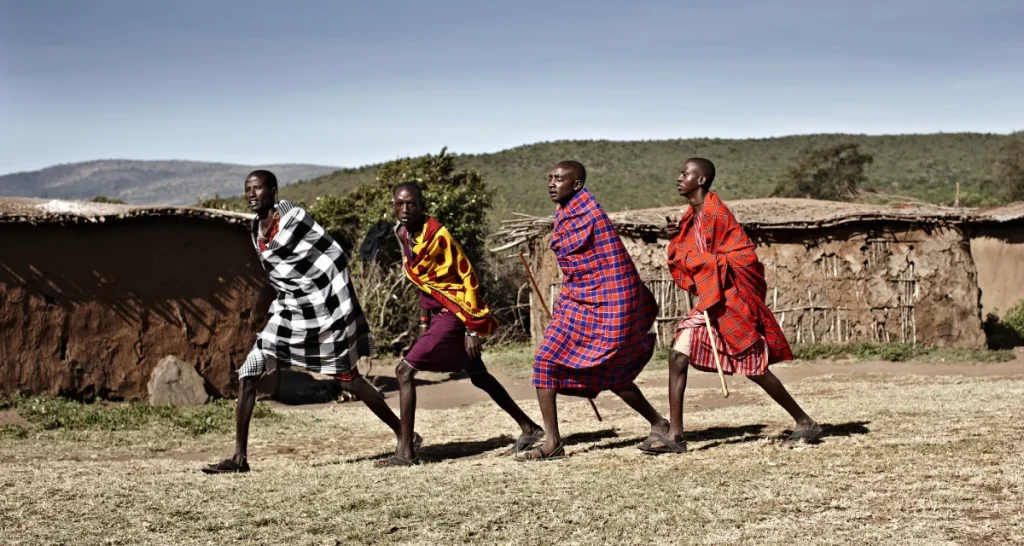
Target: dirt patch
11,417
443,391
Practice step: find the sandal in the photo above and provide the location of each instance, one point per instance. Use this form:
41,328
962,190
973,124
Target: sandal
227,466
668,445
805,435
537,454
396,461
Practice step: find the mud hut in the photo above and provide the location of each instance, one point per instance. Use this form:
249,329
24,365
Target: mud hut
92,296
997,245
836,272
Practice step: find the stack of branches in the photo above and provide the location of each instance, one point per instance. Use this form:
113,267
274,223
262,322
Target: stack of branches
522,229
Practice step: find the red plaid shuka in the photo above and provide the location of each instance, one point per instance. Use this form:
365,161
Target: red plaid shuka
713,258
598,339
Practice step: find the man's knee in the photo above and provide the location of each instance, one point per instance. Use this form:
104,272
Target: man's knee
404,372
480,380
248,385
759,379
678,362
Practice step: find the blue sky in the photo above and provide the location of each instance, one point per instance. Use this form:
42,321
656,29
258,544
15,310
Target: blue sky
352,83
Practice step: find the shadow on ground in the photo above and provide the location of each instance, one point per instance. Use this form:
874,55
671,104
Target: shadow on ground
433,453
720,436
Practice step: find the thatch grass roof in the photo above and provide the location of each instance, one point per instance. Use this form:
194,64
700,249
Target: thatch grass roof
25,210
771,214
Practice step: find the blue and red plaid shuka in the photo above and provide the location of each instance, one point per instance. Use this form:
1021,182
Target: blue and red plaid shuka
600,336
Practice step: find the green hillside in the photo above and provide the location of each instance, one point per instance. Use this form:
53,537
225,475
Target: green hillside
631,175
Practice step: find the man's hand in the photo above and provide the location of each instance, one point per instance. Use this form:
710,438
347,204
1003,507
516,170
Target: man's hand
473,345
671,228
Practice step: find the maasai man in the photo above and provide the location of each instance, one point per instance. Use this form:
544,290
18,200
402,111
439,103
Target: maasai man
711,257
315,322
453,317
600,336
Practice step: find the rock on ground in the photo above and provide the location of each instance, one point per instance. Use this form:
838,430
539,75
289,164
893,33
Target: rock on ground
177,383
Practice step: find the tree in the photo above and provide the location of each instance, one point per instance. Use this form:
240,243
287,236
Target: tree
105,199
1011,169
834,173
458,199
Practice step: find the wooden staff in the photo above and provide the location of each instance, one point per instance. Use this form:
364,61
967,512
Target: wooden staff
536,290
714,349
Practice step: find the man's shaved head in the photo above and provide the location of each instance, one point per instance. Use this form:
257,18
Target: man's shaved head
412,188
706,168
268,178
576,167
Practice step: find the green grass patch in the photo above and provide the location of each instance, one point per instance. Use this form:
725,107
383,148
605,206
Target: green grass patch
52,413
898,352
13,431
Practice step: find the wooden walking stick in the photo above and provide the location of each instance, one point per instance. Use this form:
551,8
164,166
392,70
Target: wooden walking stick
544,304
714,349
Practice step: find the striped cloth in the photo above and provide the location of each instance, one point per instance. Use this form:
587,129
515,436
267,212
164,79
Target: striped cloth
718,263
753,361
599,338
315,321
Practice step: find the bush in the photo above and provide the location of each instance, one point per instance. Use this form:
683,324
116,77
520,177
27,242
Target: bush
458,199
835,173
105,199
1007,332
390,302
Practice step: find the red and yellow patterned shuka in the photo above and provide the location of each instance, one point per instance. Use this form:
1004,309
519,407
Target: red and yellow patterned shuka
440,268
713,258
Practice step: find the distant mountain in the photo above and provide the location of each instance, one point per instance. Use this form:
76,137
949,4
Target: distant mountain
146,182
641,174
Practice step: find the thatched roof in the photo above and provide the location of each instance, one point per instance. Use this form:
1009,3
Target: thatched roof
1003,213
771,214
25,210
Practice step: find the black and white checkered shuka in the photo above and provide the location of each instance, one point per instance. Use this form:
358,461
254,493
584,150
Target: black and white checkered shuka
316,321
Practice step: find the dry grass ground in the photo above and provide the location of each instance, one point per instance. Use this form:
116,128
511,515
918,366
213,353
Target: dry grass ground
906,459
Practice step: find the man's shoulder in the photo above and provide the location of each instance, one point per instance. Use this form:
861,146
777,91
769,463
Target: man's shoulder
284,207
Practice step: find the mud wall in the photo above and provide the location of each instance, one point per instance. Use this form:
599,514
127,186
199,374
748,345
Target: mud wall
884,283
998,252
88,310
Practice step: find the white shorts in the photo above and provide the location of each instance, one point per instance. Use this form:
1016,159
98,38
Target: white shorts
682,343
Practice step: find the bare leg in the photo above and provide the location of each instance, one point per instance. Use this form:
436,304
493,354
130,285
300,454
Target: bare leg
407,403
678,364
633,397
375,401
487,383
774,388
243,415
549,411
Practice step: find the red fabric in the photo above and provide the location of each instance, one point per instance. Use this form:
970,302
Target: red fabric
599,337
275,226
727,279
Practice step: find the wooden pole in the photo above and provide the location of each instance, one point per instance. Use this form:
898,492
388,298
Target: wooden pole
547,311
714,349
